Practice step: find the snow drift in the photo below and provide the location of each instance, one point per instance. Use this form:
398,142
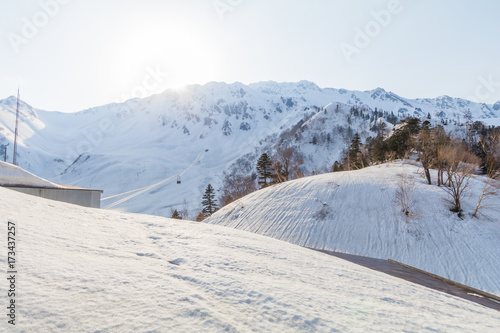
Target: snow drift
12,175
85,270
355,212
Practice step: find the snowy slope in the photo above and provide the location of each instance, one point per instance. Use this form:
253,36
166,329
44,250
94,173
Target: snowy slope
126,146
355,212
86,270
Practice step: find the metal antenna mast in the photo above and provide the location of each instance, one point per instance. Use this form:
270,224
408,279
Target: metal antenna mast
5,153
15,135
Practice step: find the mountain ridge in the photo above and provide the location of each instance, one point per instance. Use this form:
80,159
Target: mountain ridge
274,84
119,147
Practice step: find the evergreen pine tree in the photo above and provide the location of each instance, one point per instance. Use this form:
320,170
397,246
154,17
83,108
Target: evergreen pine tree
354,151
265,171
398,142
337,167
402,138
176,215
413,125
426,125
209,203
378,149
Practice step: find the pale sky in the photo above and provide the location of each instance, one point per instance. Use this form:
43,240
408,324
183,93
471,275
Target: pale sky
69,55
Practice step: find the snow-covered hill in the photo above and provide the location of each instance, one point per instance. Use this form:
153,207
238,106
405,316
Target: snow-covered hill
127,146
356,212
91,270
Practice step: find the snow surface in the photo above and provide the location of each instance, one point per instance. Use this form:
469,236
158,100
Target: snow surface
90,270
12,175
491,121
355,212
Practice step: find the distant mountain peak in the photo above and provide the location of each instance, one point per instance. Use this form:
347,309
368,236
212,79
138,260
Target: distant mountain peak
376,90
308,84
300,87
444,97
9,100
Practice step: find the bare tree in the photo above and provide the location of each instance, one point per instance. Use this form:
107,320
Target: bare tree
404,193
236,186
426,151
281,166
440,164
184,212
441,141
496,147
201,216
490,189
491,147
460,166
287,163
295,166
492,168
364,156
390,156
280,172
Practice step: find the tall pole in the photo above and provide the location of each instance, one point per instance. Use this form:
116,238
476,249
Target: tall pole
5,153
15,135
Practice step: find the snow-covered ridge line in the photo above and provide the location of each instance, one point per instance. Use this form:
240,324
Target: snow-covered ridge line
301,88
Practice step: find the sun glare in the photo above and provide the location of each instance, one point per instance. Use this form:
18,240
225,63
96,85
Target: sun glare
162,55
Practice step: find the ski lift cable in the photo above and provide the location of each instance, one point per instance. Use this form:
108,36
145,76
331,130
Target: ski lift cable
120,194
149,187
317,113
138,189
137,193
141,188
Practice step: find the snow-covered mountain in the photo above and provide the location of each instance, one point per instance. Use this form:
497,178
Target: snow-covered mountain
90,270
202,131
357,212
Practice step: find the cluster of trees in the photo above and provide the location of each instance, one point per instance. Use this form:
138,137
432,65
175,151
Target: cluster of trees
455,159
374,115
281,167
284,165
236,186
182,213
209,204
356,156
412,136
